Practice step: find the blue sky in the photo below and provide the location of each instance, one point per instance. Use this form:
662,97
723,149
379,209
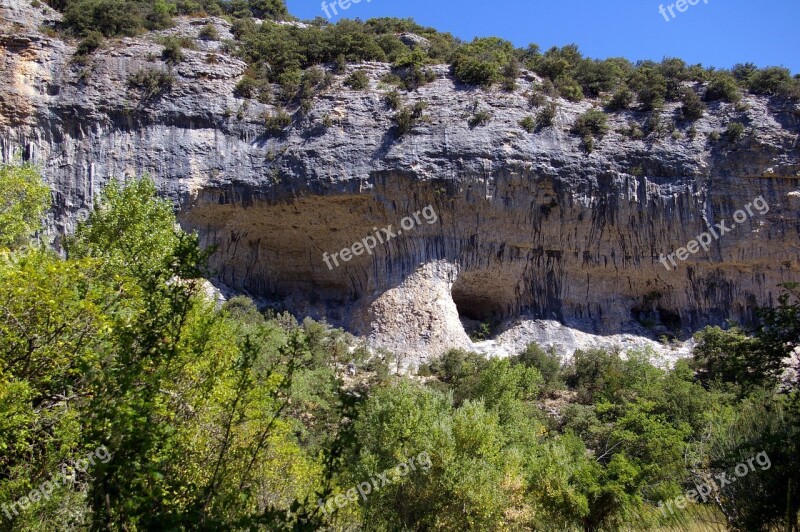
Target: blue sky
719,33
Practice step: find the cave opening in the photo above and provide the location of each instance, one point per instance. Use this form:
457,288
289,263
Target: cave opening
479,304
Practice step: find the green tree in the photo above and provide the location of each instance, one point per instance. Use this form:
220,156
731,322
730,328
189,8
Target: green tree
134,236
473,476
547,362
24,200
778,335
725,357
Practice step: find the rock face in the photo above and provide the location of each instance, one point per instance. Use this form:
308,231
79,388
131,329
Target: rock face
528,226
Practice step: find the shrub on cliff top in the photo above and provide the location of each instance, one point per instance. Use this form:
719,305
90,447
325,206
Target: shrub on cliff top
723,87
693,107
129,17
591,125
112,17
621,100
774,81
482,61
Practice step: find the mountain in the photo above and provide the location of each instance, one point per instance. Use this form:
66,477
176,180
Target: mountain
541,231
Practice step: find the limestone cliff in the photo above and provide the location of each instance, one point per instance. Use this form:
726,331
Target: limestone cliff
529,226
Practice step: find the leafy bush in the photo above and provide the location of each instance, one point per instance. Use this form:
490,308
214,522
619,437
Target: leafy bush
650,85
536,99
482,61
722,356
246,87
408,117
404,120
675,73
249,87
633,131
129,17
410,70
268,9
390,78
557,63
652,97
546,87
595,373
547,362
743,73
173,51
693,107
90,43
570,90
277,121
528,124
746,360
209,33
312,82
653,125
358,80
115,17
773,81
481,333
723,87
735,131
576,77
546,116
511,71
393,100
592,123
290,82
620,101
596,77
151,82
456,365
289,48
480,118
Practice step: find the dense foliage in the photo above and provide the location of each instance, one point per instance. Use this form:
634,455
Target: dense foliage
130,17
278,54
229,418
